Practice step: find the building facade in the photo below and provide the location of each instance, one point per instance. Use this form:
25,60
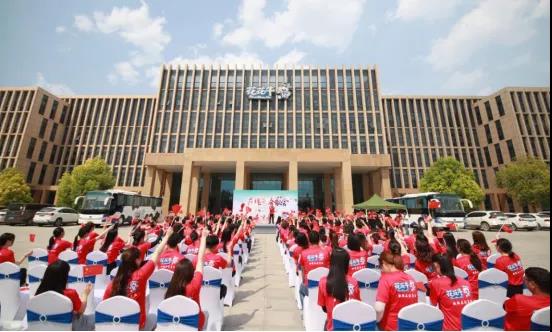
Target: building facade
326,132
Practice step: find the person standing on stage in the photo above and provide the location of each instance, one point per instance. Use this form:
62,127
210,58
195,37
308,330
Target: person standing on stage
271,211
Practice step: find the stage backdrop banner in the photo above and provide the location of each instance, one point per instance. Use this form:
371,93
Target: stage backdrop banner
257,203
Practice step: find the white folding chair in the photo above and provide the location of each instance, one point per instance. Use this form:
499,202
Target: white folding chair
182,247
419,277
35,275
78,281
70,257
377,249
493,285
210,298
420,317
158,284
228,281
459,273
50,311
178,313
483,315
9,291
118,313
373,262
368,281
190,257
314,316
292,267
236,258
491,260
245,252
97,257
298,282
354,315
540,321
412,261
39,256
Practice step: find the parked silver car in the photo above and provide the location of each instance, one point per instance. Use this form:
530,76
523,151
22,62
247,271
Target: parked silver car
3,215
543,220
522,221
56,216
485,220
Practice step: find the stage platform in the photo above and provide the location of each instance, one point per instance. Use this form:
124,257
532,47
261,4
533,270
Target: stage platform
265,229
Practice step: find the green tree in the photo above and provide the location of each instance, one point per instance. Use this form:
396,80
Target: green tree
94,174
13,187
526,180
448,175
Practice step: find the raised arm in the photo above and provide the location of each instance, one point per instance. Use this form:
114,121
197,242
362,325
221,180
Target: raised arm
161,246
201,252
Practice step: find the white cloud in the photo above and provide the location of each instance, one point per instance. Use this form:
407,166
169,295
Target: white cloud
136,27
327,23
292,58
429,10
462,81
57,89
492,22
83,23
217,30
542,10
60,29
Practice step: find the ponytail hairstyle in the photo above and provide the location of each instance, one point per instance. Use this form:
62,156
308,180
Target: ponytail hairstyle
505,246
336,284
450,242
446,267
480,240
58,231
83,231
226,236
465,248
124,273
55,278
424,251
390,258
138,236
301,240
110,237
353,242
183,275
334,239
4,238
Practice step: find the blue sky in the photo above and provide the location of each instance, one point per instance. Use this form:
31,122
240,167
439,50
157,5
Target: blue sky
453,47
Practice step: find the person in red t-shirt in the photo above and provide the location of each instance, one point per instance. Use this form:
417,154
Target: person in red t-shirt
358,257
193,246
510,263
171,256
302,243
85,240
520,308
271,211
480,247
469,262
139,241
57,245
55,279
132,277
396,290
112,246
449,293
212,258
185,281
310,259
337,287
7,255
424,257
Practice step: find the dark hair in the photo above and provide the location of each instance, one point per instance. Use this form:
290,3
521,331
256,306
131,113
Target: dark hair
124,273
302,241
55,278
480,240
465,248
424,251
110,237
447,269
83,231
450,242
194,236
353,242
226,236
212,241
174,240
183,275
4,238
348,228
392,259
540,276
314,238
334,239
505,246
336,284
395,247
137,236
58,231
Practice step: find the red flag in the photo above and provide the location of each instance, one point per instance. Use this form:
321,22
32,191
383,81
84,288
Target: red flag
176,208
92,270
507,229
452,227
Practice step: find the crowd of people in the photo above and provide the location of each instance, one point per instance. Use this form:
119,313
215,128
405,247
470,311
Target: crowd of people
344,244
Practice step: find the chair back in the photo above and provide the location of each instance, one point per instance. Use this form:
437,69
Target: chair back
368,281
491,260
493,285
35,275
483,315
49,311
419,277
118,313
98,257
113,272
78,281
39,256
209,297
158,284
9,290
373,262
354,315
459,273
412,261
190,257
420,317
70,257
178,313
314,316
228,281
377,249
540,321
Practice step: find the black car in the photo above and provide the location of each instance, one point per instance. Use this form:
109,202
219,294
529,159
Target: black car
22,213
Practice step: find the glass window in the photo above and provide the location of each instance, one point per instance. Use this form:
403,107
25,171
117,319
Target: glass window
30,149
43,103
42,128
489,111
30,172
488,134
511,149
499,130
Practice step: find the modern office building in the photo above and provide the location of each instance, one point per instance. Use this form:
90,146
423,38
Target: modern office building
326,132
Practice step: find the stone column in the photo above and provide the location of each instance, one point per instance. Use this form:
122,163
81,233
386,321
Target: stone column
385,183
194,188
239,183
205,193
158,182
293,176
327,191
367,191
166,192
185,186
347,187
338,189
149,180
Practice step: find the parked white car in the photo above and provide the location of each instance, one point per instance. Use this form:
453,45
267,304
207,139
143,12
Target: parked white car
522,221
485,220
543,220
56,216
3,215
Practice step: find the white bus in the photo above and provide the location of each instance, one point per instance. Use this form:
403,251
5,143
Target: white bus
97,205
451,211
